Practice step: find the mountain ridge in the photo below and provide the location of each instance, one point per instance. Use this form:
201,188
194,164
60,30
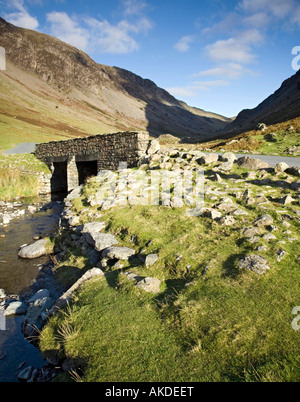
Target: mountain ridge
281,106
115,98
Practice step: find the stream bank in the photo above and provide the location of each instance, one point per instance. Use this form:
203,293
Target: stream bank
20,279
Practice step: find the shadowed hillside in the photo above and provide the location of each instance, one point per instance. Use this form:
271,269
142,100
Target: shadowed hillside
51,90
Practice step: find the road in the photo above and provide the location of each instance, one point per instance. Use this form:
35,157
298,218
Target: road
272,160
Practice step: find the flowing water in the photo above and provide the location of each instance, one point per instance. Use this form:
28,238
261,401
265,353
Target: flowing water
18,277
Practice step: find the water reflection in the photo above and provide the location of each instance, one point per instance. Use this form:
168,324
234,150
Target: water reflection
17,276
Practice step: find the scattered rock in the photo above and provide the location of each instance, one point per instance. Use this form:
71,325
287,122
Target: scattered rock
226,166
295,170
227,220
36,314
263,220
35,250
119,253
15,308
261,127
208,158
247,162
268,237
100,241
31,209
287,199
40,294
281,167
66,297
151,259
228,157
249,232
153,147
254,263
93,227
280,254
25,374
149,285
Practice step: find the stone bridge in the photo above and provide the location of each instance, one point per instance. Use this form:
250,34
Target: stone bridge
73,161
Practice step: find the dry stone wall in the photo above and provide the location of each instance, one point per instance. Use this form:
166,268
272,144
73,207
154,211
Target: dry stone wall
79,156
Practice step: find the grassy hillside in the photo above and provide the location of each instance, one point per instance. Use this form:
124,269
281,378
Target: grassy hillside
278,139
211,320
32,111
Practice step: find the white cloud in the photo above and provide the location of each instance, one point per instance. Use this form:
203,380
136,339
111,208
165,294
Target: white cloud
195,87
236,49
20,17
112,38
183,45
134,7
68,29
258,20
227,70
91,34
296,16
278,8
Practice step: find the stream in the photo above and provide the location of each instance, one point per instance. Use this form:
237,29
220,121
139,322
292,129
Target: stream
20,278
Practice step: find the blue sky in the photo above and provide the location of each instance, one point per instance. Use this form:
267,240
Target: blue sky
220,56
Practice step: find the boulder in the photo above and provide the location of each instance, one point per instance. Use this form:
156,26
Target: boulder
37,312
66,297
249,232
119,253
254,263
263,220
25,374
151,259
93,227
35,250
149,284
295,170
287,199
247,162
261,127
227,220
208,158
281,167
228,157
100,241
225,166
15,308
280,254
153,147
40,294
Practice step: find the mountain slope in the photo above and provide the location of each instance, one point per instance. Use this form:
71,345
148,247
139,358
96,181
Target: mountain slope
282,106
51,89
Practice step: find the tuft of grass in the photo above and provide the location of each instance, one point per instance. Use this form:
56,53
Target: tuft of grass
17,176
15,184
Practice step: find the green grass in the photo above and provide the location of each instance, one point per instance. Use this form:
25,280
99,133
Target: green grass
116,336
278,139
210,321
16,178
